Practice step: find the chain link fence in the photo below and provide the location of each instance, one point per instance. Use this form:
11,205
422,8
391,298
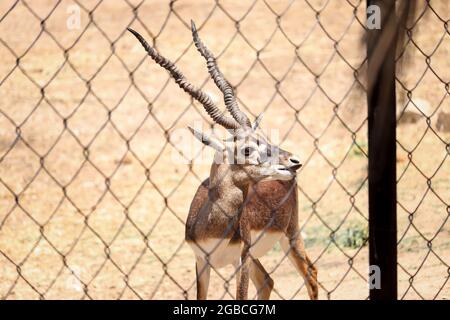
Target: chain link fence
423,168
92,205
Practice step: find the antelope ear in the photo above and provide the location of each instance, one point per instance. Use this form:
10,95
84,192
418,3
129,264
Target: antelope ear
258,119
207,140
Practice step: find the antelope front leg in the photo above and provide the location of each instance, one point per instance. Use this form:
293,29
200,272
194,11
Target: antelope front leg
261,279
295,250
203,270
244,274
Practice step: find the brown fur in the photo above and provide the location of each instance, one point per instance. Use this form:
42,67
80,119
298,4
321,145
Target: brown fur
270,205
267,205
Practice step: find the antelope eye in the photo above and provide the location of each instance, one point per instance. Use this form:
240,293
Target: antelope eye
269,151
247,151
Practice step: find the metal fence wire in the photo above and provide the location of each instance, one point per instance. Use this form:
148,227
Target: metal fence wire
92,203
422,154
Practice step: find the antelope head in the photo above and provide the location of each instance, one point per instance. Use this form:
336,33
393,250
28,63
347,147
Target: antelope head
246,155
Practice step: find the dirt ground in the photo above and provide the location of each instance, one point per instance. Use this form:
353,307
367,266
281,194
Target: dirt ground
92,202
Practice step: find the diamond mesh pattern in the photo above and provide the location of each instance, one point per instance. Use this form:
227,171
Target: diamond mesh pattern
92,204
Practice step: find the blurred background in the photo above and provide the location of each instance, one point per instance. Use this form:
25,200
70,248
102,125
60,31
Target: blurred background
92,205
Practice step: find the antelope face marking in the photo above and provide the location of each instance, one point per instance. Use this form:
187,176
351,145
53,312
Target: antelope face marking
260,160
250,158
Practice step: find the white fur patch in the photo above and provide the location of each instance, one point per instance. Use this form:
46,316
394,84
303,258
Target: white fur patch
263,241
222,253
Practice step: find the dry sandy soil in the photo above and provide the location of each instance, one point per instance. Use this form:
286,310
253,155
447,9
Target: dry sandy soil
92,202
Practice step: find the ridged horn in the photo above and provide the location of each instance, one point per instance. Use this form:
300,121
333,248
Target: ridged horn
220,81
183,83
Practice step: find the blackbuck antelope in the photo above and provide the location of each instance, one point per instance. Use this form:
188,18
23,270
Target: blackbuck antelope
249,201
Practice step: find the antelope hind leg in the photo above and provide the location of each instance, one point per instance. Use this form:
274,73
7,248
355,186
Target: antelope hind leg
295,250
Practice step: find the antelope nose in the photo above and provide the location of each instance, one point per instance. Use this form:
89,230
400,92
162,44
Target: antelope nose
295,163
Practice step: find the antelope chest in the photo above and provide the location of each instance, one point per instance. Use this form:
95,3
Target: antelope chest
221,252
263,241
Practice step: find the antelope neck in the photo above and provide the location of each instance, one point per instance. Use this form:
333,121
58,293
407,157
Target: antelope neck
225,195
